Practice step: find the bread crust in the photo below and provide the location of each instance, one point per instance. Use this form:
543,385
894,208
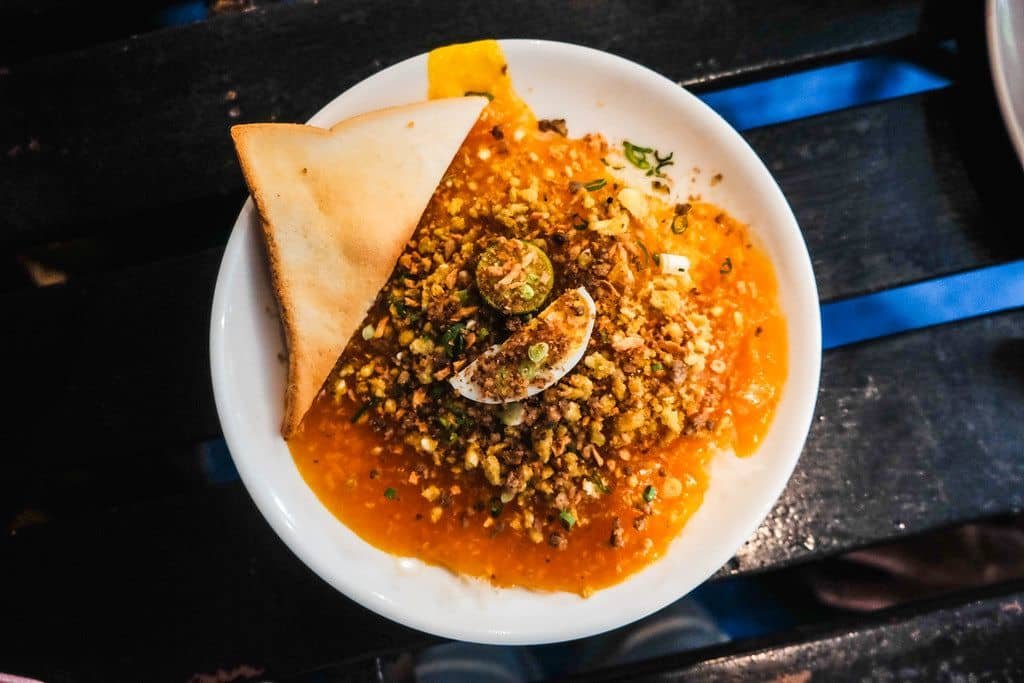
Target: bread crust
336,209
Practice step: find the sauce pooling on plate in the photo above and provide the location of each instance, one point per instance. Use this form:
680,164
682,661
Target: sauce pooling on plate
578,486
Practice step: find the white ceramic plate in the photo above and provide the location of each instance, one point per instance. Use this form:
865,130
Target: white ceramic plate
1004,24
594,91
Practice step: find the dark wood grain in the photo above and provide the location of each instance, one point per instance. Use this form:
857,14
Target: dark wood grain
92,136
884,196
202,584
956,639
912,433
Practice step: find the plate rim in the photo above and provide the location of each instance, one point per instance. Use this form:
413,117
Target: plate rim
547,630
1013,120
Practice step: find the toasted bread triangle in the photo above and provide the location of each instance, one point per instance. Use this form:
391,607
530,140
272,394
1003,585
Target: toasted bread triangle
337,208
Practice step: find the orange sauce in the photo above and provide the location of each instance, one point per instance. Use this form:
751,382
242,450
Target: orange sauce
344,464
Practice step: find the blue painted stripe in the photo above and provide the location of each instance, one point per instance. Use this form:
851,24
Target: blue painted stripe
182,13
933,302
821,90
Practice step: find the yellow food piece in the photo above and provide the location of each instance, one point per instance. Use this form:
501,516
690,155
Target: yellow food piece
456,70
479,68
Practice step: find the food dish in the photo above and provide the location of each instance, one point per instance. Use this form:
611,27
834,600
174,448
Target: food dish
784,245
337,207
1004,24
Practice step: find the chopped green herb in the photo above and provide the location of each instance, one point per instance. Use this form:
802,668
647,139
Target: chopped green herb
660,163
657,367
637,155
567,518
650,493
480,93
647,253
390,493
610,165
538,352
362,410
453,340
726,266
599,483
595,185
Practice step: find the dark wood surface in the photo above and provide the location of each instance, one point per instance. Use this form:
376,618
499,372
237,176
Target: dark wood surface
169,91
950,640
117,539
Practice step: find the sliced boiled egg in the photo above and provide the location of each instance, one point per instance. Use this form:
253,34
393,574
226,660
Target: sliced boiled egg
535,357
673,263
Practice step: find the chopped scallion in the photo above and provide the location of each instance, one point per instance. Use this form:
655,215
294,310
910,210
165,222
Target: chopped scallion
647,253
390,493
660,163
567,518
637,155
650,493
362,410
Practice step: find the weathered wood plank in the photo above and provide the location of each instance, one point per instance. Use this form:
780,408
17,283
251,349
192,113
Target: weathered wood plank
913,433
91,136
956,639
202,584
884,196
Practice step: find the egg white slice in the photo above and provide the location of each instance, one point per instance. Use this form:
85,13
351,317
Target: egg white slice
465,382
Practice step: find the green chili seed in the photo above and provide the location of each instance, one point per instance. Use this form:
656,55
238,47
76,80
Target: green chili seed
538,352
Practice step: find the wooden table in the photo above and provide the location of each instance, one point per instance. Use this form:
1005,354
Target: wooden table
128,556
